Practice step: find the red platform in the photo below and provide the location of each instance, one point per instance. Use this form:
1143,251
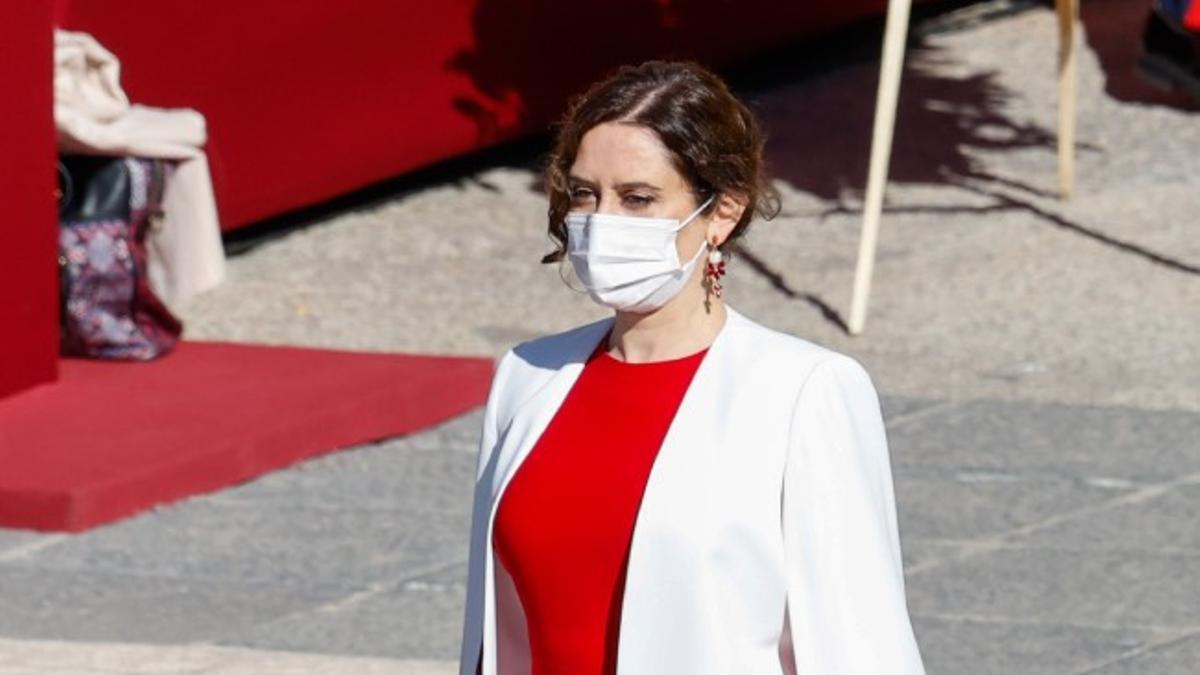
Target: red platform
110,439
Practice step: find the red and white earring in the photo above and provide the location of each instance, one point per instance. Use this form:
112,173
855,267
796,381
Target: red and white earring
715,269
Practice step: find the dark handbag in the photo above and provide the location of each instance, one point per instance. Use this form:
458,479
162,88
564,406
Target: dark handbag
107,309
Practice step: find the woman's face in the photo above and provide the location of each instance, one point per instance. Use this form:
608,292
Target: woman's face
624,169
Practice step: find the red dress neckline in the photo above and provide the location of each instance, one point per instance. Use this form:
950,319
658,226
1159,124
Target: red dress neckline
601,352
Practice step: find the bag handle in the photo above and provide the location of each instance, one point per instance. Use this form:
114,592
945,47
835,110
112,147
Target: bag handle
66,187
158,185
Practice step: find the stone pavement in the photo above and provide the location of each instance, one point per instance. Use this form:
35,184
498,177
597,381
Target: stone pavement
1039,363
85,658
1038,538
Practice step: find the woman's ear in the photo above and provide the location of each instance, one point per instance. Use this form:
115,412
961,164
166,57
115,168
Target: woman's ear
725,216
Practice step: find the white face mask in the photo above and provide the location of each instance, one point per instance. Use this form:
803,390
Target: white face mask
629,263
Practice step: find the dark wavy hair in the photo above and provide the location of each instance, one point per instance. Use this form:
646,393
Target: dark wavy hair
714,140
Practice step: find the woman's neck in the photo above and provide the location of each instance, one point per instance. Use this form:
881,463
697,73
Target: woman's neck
674,331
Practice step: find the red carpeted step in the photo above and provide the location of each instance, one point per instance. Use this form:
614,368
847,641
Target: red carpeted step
110,439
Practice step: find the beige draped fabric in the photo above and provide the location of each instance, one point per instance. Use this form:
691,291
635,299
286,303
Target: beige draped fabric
94,116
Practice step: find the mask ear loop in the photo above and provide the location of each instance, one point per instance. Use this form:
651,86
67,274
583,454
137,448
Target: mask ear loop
561,262
697,212
581,291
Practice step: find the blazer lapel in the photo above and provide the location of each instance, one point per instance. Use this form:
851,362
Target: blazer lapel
549,370
532,416
665,604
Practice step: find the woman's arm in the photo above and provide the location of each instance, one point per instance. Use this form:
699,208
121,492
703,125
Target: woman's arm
845,579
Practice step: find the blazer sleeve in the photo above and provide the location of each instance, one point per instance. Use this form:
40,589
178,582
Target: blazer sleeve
473,618
490,431
847,612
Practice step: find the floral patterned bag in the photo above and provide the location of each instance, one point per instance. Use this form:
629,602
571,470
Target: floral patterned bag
107,308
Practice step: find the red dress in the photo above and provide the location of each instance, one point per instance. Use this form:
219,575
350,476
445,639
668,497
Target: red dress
565,520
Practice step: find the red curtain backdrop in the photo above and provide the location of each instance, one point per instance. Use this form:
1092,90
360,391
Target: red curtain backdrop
309,99
28,273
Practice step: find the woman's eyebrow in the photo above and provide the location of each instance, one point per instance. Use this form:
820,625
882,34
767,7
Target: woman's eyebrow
631,185
637,185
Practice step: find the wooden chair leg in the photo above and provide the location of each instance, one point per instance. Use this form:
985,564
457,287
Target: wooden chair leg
881,151
1068,18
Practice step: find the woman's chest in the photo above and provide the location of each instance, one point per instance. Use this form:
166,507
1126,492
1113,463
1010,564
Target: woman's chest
705,478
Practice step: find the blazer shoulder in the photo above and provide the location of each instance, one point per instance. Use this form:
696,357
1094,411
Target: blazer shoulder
787,363
552,352
528,365
785,351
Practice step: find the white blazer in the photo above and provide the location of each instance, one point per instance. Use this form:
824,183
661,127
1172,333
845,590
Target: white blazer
766,541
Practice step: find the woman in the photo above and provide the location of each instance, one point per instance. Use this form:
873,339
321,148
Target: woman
676,488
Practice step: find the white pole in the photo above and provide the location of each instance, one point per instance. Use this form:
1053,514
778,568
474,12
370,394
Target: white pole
1068,15
881,151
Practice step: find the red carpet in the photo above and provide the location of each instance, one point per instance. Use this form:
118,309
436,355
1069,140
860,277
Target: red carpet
110,439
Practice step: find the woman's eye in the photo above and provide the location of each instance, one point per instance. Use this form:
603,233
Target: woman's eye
580,193
638,200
